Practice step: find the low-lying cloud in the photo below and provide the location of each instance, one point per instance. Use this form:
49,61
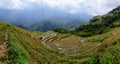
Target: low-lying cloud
92,7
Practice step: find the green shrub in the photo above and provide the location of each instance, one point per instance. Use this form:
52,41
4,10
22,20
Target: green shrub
83,34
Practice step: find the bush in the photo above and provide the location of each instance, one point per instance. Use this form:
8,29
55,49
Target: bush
83,34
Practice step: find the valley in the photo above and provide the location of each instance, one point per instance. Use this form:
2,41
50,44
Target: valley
39,47
55,36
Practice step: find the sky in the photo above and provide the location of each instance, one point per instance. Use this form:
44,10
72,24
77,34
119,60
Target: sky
92,7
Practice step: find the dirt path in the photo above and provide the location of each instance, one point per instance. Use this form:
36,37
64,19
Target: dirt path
115,36
94,49
3,49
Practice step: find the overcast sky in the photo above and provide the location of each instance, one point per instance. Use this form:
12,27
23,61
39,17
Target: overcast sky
92,7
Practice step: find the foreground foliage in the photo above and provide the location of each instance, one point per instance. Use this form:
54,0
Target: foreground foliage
16,55
110,54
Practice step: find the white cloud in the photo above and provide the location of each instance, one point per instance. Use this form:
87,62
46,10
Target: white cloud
16,4
93,7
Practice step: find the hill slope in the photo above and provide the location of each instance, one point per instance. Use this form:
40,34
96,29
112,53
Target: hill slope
24,47
101,24
19,46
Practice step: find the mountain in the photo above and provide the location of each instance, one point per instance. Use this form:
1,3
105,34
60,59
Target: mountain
47,24
29,17
101,46
100,24
24,47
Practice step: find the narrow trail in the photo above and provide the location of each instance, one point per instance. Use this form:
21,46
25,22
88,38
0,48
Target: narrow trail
115,35
89,51
3,49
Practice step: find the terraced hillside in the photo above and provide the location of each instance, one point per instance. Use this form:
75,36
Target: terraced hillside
67,44
23,47
18,46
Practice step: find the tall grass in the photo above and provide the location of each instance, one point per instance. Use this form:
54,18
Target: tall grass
110,54
16,55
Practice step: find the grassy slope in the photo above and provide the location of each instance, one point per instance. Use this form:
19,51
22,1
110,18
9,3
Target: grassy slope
109,49
25,47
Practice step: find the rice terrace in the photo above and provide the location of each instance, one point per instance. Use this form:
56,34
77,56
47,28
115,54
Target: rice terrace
59,32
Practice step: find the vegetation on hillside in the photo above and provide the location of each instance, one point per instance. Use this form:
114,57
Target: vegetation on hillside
97,25
101,24
16,55
25,47
109,54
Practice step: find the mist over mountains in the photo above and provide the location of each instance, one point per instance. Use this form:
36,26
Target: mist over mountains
29,17
44,15
88,44
59,32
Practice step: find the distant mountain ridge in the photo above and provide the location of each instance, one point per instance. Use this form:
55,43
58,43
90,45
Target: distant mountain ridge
26,47
31,16
46,25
